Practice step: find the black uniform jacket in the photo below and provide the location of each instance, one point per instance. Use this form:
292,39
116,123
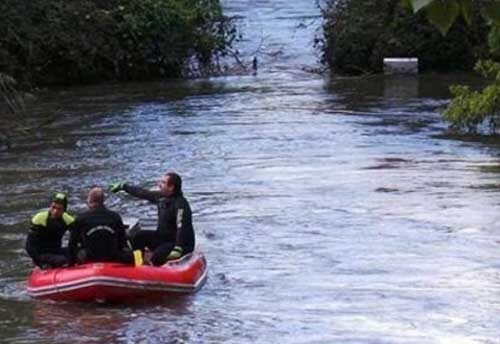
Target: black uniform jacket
46,233
175,224
100,232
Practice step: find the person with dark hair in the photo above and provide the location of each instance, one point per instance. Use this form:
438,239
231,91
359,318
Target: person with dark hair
98,235
44,241
174,235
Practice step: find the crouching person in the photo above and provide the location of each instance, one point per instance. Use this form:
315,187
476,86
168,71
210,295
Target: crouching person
44,241
98,235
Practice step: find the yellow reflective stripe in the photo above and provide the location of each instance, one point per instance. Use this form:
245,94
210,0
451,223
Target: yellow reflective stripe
40,219
138,258
68,219
180,213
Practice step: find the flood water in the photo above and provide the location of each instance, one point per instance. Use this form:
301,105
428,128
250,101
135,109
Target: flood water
329,210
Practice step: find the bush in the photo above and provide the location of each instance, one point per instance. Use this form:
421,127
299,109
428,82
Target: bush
470,111
74,41
359,34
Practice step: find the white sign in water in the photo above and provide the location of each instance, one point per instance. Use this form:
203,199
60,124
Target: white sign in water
400,65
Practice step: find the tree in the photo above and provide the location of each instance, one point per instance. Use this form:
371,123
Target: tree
357,35
443,13
470,110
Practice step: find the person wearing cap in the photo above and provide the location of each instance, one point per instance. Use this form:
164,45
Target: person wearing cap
174,235
98,235
44,241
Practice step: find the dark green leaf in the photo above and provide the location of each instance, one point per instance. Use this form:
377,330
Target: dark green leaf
407,4
419,4
466,9
491,11
442,14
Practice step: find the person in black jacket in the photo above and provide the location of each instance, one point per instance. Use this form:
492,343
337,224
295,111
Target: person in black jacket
44,241
98,235
174,236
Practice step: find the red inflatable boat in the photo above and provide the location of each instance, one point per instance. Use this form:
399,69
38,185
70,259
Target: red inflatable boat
111,282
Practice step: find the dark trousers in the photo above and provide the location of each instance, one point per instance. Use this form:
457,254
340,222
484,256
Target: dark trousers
124,256
149,239
52,258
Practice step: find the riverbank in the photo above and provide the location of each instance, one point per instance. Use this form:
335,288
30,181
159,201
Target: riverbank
358,35
330,211
47,42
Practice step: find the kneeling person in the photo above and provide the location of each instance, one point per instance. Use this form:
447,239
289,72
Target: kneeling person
98,235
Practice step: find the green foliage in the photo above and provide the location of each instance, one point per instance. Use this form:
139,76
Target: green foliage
469,110
74,41
491,11
419,4
359,34
443,14
494,40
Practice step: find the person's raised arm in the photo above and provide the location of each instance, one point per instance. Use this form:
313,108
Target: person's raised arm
135,191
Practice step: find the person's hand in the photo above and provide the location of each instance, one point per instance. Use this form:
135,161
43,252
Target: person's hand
176,253
116,187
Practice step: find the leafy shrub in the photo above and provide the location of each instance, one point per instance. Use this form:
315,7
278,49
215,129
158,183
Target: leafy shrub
75,41
359,34
471,110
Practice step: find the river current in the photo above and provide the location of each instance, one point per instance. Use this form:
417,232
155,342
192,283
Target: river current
330,210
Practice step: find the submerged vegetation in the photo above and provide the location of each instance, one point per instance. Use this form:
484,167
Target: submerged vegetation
471,111
12,111
477,111
445,35
45,42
